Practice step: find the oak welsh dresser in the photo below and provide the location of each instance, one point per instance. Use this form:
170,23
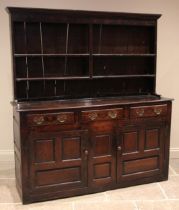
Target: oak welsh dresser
86,115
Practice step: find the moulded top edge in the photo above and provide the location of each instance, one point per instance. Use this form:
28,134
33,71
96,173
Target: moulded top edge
26,11
83,103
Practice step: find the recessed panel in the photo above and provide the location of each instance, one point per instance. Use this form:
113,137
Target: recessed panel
44,151
71,148
58,176
102,170
140,165
152,139
102,145
130,142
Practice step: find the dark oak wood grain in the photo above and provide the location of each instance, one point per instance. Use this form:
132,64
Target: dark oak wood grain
86,115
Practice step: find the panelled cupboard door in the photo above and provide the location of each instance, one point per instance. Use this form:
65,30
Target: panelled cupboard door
140,151
58,161
102,156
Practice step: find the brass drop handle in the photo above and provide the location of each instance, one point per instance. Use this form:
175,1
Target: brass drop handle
38,120
86,152
61,118
157,111
112,114
93,115
140,112
119,148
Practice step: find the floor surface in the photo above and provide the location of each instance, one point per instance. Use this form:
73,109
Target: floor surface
155,196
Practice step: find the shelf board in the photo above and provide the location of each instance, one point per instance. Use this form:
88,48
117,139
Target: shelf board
85,77
125,55
51,55
52,78
84,54
124,76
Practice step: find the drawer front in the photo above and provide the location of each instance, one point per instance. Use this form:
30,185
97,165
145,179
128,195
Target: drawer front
107,114
148,111
50,119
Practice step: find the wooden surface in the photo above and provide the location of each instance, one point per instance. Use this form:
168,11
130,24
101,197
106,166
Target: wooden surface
62,54
85,103
85,153
86,114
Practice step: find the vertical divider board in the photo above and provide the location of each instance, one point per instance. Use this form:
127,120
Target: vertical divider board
66,48
27,72
91,51
100,38
42,52
155,59
66,57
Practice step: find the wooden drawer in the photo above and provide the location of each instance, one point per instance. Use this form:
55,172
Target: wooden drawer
105,114
148,111
50,119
